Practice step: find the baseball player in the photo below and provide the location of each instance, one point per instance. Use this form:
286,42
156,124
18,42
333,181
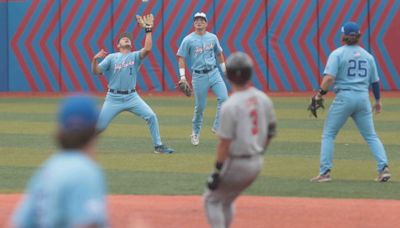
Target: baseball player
247,126
352,70
69,188
203,50
123,67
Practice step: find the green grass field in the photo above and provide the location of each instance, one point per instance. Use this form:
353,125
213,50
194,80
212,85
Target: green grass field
125,151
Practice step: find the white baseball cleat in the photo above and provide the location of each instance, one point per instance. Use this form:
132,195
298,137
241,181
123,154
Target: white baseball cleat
384,175
195,139
321,178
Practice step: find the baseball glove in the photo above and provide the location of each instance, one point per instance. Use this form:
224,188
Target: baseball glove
316,103
184,87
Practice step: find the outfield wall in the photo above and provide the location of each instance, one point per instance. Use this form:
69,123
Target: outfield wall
47,45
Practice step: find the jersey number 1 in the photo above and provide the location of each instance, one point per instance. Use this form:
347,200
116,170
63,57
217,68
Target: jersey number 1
254,118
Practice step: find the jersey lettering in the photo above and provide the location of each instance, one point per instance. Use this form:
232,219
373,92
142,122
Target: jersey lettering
254,117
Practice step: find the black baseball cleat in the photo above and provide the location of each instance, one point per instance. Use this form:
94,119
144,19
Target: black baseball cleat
163,149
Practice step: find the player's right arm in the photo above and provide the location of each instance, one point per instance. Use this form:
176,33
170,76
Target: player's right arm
182,53
95,65
181,65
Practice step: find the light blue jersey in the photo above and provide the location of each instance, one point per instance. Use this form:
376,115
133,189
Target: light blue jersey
353,68
201,50
122,68
69,190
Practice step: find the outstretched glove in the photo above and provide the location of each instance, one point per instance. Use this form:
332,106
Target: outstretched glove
184,87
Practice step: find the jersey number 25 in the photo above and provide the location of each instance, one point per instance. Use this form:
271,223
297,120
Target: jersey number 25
357,68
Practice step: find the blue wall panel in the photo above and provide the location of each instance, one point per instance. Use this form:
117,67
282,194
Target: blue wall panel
3,46
47,45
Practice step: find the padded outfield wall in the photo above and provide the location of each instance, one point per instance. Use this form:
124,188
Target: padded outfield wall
47,45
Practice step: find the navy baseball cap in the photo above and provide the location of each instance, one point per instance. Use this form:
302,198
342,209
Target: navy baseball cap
350,28
200,15
78,113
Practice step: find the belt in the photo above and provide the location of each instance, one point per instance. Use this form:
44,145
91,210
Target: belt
204,71
121,91
338,90
245,155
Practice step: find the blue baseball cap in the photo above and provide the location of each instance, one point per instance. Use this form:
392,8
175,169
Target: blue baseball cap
77,113
350,28
200,15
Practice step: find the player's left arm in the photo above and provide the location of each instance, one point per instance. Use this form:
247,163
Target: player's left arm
223,150
219,56
271,134
221,61
146,22
271,123
148,44
377,106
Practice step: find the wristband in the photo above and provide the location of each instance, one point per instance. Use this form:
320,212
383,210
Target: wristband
182,72
223,67
148,29
322,92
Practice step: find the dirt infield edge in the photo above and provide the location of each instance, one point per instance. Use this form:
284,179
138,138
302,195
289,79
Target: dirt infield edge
148,211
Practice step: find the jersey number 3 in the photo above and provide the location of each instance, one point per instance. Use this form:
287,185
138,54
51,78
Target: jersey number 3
254,118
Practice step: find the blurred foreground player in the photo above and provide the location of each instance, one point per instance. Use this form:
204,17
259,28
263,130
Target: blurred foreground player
69,189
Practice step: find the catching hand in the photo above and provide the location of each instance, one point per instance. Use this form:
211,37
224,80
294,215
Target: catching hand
184,87
317,102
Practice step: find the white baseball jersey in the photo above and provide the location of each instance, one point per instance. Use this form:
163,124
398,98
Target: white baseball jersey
245,118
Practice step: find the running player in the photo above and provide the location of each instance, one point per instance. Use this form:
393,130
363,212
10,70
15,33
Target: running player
247,127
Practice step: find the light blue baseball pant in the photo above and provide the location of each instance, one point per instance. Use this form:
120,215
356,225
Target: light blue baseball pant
356,105
201,83
116,103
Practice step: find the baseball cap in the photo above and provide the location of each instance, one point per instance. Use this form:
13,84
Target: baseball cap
200,15
239,68
350,28
125,34
77,113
